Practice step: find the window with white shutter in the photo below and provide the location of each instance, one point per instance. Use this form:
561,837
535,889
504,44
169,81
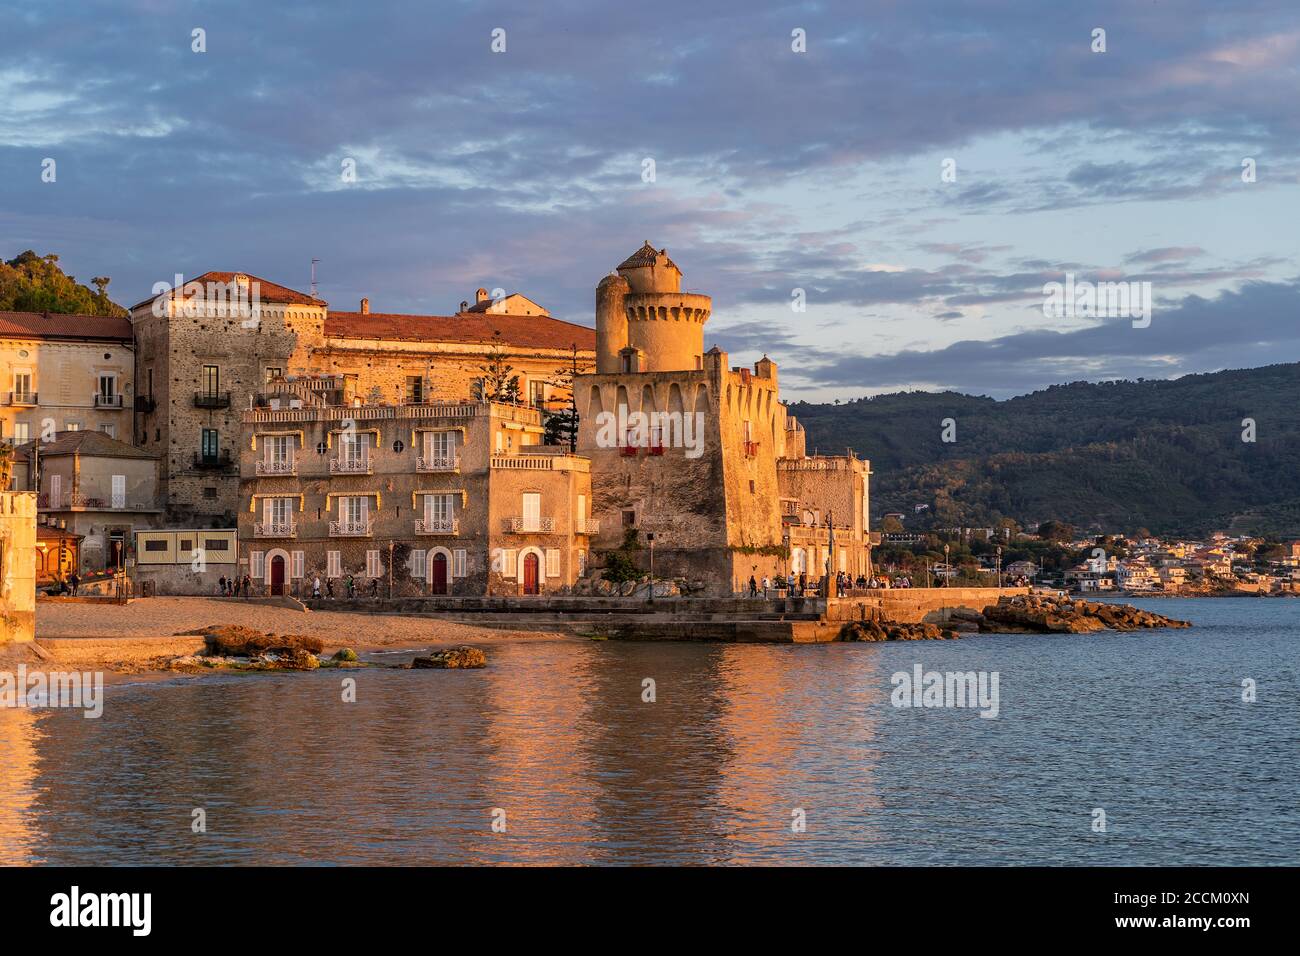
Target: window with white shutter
333,564
56,491
552,562
372,564
532,511
508,564
119,491
297,565
458,562
417,564
255,561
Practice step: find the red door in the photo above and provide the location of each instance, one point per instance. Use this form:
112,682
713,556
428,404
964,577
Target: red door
277,575
438,574
530,574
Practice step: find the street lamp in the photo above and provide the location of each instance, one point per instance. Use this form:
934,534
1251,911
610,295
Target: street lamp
947,567
650,537
999,567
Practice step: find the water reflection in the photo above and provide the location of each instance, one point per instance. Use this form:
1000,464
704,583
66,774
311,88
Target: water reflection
557,735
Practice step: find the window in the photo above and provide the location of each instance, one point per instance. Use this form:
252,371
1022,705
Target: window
107,387
552,562
155,545
277,512
273,373
210,493
415,389
372,564
417,564
211,443
629,517
211,381
438,511
537,394
216,544
439,447
109,429
56,491
279,451
297,564
119,491
186,544
333,564
582,563
458,563
355,447
354,511
255,561
72,426
22,433
532,505
23,386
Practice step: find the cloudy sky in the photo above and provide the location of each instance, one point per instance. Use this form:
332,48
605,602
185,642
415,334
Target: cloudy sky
774,170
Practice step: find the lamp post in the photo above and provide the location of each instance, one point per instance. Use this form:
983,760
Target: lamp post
650,537
947,567
999,567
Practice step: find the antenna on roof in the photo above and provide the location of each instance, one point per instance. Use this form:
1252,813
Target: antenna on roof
313,277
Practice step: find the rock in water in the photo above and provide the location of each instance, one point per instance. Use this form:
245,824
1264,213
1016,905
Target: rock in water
1041,614
456,657
894,631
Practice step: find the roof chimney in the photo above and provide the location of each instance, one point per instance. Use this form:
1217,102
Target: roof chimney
365,306
464,305
481,295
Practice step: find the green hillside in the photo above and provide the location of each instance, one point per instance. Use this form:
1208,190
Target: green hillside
1166,455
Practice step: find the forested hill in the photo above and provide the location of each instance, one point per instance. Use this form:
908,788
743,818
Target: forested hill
32,283
1115,456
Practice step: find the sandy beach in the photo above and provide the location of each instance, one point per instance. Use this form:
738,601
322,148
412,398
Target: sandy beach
144,635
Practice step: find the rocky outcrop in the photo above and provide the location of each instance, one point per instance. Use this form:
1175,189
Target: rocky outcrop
454,658
1042,614
894,631
237,641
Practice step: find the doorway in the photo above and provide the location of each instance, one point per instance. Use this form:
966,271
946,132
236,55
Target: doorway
277,575
531,576
438,574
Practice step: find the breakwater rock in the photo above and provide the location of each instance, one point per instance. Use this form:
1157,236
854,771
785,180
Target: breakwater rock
894,631
1040,614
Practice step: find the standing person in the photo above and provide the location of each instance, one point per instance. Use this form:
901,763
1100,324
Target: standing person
221,585
374,588
315,588
74,581
767,584
349,585
329,588
753,587
803,583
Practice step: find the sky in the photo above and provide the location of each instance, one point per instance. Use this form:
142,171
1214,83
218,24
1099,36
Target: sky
920,170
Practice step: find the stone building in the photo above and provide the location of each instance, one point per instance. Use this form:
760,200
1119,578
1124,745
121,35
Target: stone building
206,348
64,372
423,498
99,488
701,455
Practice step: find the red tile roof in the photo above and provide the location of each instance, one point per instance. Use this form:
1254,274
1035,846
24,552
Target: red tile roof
267,291
521,331
51,325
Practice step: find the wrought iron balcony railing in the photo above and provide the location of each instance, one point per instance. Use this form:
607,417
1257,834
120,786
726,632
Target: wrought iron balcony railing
587,526
220,460
211,399
351,529
23,398
145,403
288,466
437,526
437,463
520,525
350,466
107,401
275,529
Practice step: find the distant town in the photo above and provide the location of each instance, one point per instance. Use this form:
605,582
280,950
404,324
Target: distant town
1057,555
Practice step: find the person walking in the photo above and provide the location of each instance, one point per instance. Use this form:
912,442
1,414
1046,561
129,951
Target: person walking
315,588
329,588
753,587
350,586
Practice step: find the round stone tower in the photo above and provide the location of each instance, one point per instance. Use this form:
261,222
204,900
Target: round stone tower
664,324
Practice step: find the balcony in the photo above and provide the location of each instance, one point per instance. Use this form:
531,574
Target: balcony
76,501
351,466
519,525
22,398
211,399
213,462
107,401
438,463
586,526
751,449
437,526
145,403
288,466
352,529
275,529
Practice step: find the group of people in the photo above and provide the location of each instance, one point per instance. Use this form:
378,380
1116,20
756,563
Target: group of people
235,587
350,588
843,583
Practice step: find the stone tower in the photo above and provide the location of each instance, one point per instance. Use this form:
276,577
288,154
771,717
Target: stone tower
644,322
